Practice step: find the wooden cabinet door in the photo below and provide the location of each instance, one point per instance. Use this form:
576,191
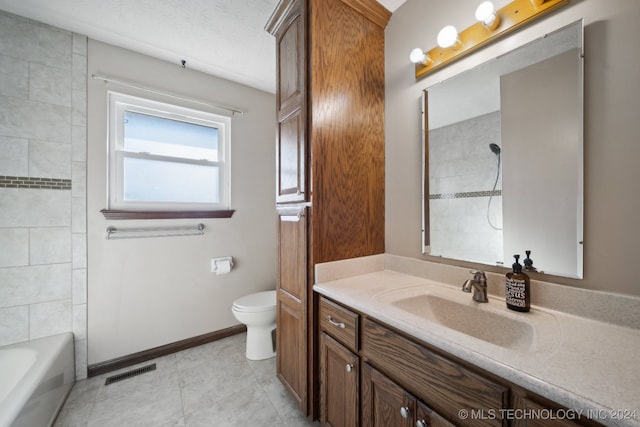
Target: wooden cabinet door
384,403
291,347
427,417
291,132
291,305
339,384
292,252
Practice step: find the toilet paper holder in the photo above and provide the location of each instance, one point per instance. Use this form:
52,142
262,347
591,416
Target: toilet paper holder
222,265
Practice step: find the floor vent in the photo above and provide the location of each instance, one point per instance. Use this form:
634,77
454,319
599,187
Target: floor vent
129,374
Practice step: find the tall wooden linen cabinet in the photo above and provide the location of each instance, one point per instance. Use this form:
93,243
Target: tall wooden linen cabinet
329,161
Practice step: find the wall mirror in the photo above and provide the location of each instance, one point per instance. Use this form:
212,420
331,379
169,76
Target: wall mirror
503,158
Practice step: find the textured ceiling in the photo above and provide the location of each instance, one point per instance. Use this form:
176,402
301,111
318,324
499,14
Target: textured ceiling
220,37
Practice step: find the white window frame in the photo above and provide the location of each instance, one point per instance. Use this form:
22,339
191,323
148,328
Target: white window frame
118,104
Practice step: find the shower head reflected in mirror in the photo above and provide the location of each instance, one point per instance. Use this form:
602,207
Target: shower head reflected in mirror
495,149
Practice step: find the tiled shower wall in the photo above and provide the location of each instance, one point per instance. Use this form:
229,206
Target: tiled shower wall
43,98
462,172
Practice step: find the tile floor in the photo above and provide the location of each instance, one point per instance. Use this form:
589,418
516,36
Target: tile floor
212,385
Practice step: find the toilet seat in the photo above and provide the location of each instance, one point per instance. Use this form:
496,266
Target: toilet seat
255,303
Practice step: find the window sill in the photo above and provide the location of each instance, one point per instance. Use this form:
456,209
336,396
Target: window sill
122,214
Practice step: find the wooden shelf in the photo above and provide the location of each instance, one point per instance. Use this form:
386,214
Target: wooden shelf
122,214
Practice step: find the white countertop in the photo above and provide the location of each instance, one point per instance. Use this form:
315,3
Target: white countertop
583,364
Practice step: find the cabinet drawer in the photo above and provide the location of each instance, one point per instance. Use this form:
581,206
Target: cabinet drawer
444,385
340,323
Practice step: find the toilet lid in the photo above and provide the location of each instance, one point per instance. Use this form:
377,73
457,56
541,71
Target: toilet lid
260,301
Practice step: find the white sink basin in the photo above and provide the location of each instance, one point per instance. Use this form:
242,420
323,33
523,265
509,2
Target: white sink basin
490,322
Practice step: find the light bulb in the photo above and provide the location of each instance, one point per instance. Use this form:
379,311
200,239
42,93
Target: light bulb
417,56
486,14
448,37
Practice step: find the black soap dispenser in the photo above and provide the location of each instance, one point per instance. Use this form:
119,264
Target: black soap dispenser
517,290
528,262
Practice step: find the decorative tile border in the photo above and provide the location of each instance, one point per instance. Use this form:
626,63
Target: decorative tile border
465,195
35,183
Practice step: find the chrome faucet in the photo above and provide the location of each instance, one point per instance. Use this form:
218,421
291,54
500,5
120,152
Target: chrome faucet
479,285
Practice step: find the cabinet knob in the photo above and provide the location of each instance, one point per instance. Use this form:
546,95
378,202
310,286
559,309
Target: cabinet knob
421,423
405,412
349,367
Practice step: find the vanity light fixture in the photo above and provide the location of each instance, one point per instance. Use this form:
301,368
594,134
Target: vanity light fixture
418,56
486,13
491,25
448,37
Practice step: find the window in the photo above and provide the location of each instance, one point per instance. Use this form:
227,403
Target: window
165,157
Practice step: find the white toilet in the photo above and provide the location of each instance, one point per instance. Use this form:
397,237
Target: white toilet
258,312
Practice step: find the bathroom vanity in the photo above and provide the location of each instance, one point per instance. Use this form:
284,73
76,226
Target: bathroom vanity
401,349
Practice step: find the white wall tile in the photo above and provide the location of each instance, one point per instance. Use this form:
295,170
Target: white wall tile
80,321
49,159
49,84
79,73
35,120
34,208
50,245
14,81
438,169
50,318
34,42
461,160
43,108
14,324
462,150
14,156
14,247
78,143
79,286
78,215
34,284
81,359
79,250
79,110
447,185
79,45
79,178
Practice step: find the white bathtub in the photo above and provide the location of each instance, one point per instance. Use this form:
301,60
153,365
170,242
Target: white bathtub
35,379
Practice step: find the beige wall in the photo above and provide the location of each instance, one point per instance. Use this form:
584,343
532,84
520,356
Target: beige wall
612,102
144,293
